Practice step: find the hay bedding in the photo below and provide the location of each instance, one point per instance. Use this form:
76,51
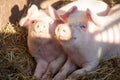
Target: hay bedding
17,64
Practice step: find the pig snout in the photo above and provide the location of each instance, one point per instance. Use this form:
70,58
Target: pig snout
41,27
63,32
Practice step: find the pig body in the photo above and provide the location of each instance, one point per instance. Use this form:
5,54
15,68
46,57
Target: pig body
91,39
48,54
46,51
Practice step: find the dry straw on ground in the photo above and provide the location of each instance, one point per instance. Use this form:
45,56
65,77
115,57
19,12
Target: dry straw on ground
17,64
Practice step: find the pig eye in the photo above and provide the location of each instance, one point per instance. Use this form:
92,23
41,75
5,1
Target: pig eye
83,26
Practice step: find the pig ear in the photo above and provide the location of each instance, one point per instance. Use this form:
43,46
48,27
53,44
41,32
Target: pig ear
32,12
91,17
52,13
33,9
65,16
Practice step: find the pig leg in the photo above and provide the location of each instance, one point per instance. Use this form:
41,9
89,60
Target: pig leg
85,67
40,69
65,70
54,66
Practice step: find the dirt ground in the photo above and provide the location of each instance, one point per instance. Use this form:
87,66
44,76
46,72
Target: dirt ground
17,64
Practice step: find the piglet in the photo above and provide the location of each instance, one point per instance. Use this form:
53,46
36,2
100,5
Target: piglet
48,54
97,7
90,39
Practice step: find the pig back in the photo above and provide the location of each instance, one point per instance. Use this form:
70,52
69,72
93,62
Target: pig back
108,36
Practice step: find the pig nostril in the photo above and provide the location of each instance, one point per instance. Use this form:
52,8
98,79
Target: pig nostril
37,26
33,22
63,30
43,26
